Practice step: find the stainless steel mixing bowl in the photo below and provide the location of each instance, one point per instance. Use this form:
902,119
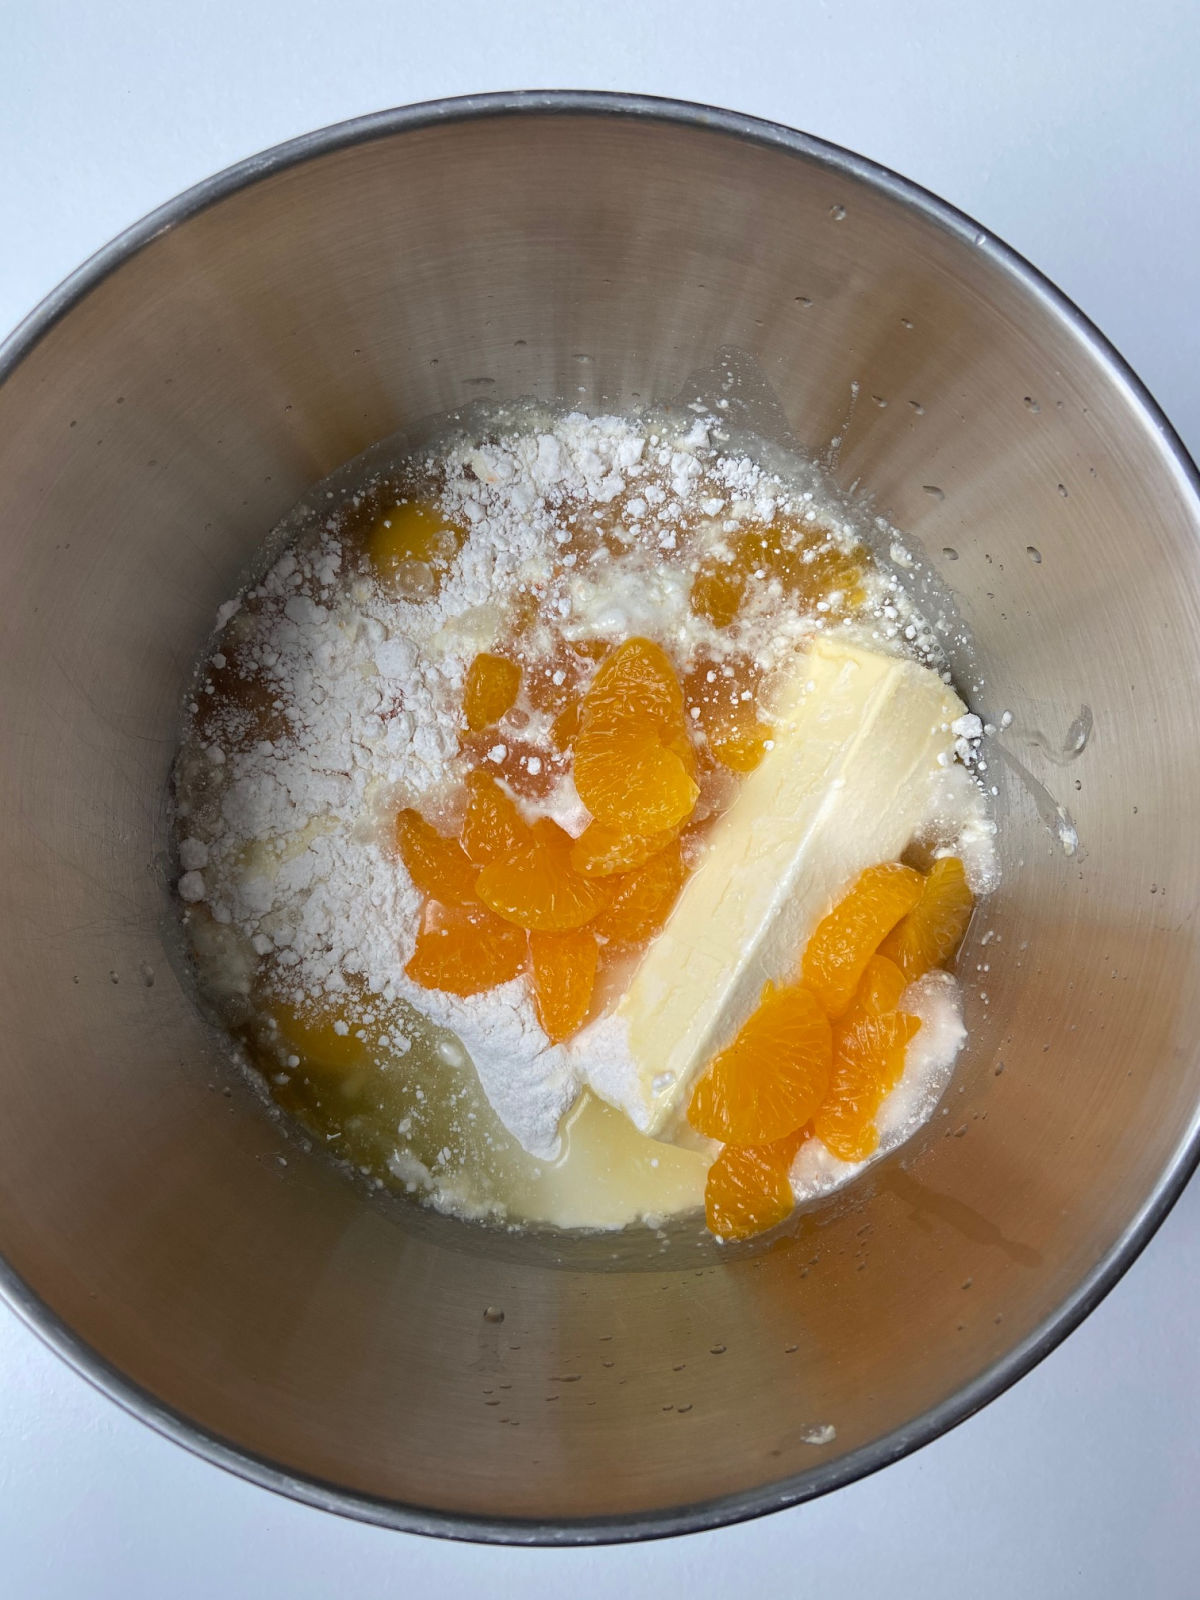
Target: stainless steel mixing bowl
160,412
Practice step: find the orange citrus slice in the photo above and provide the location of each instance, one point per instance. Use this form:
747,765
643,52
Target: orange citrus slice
438,866
880,987
600,850
465,950
723,695
492,827
643,898
717,591
774,1075
563,967
566,725
849,936
536,887
411,545
748,1189
868,1060
929,936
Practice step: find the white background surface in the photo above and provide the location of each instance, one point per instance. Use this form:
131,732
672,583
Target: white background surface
1071,129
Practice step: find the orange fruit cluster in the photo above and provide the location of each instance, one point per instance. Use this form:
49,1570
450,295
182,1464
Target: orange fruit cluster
634,764
818,1056
507,896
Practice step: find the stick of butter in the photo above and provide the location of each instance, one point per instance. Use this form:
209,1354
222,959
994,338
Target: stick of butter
859,739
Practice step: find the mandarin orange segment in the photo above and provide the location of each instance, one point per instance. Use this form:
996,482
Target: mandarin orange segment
880,987
563,966
929,936
536,887
465,950
438,866
635,682
633,783
492,827
643,898
849,936
492,686
771,1079
633,757
680,745
748,1189
600,850
868,1060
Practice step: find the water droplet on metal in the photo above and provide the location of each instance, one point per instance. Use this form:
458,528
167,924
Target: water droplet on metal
493,1314
950,553
933,491
838,213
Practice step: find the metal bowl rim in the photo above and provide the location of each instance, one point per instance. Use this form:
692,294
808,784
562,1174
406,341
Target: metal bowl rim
819,1479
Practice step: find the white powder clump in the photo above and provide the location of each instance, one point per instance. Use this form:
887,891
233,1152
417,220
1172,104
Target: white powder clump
929,1061
192,887
529,1082
193,855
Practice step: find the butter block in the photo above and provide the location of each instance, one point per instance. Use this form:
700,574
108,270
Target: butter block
859,739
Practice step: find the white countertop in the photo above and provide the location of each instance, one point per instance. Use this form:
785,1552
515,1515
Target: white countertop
1070,128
